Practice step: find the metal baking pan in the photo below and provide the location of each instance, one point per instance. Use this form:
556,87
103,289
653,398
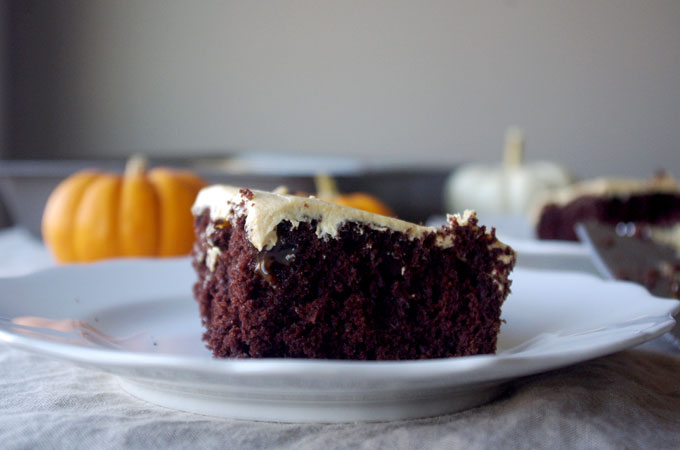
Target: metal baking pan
414,193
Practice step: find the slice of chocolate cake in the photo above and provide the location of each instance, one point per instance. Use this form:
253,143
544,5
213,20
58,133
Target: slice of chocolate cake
287,276
612,201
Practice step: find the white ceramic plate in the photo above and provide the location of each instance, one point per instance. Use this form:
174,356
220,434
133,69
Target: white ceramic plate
137,320
552,255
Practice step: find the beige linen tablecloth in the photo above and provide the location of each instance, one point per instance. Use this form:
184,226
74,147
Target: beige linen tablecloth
627,400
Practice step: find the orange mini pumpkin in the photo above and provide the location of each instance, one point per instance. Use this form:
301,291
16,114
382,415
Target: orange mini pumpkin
327,189
93,215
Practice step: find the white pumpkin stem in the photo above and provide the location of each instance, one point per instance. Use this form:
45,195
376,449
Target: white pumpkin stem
136,164
514,148
326,188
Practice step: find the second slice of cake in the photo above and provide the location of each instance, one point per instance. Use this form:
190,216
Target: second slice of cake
287,276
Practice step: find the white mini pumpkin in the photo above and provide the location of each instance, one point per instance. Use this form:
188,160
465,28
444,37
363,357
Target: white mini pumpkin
508,189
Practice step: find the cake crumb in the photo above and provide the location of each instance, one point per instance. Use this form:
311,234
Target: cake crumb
247,193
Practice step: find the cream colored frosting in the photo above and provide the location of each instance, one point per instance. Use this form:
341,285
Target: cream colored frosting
267,209
211,257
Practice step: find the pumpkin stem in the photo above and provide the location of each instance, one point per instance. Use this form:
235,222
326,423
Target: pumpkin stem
514,147
281,190
136,165
326,188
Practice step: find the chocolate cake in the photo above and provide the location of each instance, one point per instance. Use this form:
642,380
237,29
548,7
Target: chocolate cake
288,276
612,201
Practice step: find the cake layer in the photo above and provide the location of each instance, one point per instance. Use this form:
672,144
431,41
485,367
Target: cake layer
326,281
654,201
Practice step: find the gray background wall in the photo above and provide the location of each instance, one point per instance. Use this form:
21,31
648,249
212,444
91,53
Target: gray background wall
595,84
3,79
